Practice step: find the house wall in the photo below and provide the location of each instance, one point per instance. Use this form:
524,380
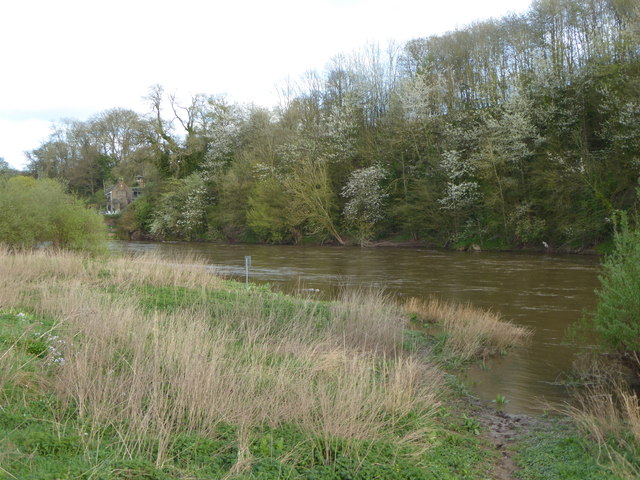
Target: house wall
121,196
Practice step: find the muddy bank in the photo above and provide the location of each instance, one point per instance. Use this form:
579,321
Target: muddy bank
503,430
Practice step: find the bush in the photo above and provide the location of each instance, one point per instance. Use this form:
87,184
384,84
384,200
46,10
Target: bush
35,211
617,316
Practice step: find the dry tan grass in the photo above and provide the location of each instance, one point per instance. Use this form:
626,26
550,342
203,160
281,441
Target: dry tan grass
368,320
607,411
20,271
150,269
610,415
159,375
470,332
150,375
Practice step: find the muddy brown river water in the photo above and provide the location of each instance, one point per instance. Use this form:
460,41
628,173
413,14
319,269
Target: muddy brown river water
544,292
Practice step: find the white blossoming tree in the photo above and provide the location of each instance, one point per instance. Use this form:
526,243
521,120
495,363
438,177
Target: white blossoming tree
461,190
365,200
182,212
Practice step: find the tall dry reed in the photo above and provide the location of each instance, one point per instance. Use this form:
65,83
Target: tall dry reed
24,270
368,320
610,414
247,360
155,375
469,331
152,269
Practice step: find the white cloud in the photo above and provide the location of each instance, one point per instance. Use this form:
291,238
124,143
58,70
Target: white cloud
18,136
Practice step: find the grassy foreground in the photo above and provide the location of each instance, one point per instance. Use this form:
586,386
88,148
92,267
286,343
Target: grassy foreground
125,368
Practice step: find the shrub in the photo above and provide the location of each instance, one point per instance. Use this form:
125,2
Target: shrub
135,221
34,211
617,317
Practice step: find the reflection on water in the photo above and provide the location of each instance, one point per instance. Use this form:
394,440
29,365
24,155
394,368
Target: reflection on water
544,292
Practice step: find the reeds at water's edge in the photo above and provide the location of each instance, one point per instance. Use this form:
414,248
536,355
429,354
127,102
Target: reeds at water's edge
469,332
607,411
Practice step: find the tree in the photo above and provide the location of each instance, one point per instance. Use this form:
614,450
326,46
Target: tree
617,317
161,138
313,202
462,190
268,214
522,128
5,168
120,135
182,210
505,147
71,154
35,211
365,198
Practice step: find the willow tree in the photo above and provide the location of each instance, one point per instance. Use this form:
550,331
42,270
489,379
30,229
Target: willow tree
313,202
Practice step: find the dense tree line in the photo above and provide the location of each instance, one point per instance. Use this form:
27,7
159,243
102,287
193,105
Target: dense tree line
520,130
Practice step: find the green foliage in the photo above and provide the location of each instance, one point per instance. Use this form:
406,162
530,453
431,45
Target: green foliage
47,443
313,201
35,211
500,400
137,218
470,424
234,187
527,226
617,316
557,452
37,346
268,212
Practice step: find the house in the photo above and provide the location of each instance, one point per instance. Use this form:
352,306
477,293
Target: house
119,196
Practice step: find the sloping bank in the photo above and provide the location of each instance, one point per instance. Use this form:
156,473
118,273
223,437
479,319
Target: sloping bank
121,368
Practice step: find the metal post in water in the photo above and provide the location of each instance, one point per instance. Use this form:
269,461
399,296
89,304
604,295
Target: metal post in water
247,264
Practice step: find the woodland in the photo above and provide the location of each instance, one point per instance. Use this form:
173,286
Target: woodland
512,132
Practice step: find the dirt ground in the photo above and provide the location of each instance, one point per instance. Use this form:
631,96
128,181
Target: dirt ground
502,430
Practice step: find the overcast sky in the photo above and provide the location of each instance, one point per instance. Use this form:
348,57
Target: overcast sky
75,58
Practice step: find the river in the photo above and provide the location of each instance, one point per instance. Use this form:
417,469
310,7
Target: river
544,292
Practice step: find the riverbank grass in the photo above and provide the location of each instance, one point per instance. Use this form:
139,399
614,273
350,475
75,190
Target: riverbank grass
139,368
467,332
608,413
556,450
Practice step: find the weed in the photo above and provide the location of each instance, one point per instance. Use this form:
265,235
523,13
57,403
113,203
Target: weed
556,451
500,400
470,425
610,415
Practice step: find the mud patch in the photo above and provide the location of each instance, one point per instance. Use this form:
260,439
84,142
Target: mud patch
503,430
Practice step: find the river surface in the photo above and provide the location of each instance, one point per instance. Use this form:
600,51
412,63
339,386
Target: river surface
544,292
